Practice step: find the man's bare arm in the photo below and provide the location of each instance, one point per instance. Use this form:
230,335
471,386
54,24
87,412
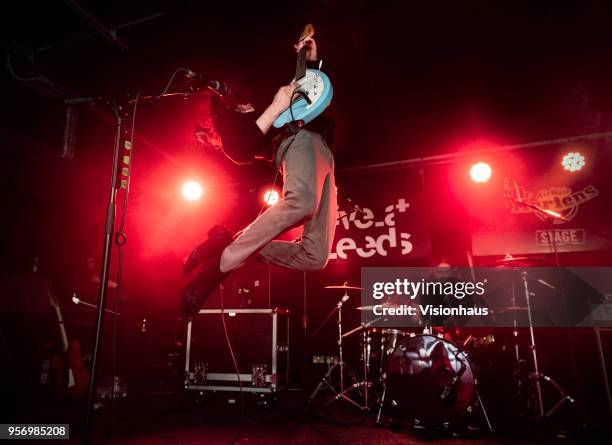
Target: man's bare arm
280,103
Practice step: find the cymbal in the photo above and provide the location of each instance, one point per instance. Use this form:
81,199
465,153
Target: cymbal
370,308
342,286
515,261
511,309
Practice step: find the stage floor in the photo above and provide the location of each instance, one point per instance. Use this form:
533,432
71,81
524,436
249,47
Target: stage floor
176,419
293,432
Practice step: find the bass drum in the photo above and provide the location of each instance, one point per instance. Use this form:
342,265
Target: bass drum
430,379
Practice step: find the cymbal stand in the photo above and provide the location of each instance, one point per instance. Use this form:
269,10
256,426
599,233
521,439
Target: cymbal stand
536,375
366,344
383,397
326,380
519,363
550,216
385,350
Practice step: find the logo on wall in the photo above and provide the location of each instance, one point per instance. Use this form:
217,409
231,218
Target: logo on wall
390,242
560,199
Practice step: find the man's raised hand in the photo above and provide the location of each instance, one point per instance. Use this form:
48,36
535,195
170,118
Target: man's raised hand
311,44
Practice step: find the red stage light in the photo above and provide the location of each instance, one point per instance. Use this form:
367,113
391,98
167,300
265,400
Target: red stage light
271,197
192,191
573,161
481,172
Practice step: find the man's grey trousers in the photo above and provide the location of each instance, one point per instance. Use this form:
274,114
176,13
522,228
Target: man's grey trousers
308,198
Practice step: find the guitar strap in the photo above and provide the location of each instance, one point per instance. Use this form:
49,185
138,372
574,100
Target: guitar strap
294,127
287,130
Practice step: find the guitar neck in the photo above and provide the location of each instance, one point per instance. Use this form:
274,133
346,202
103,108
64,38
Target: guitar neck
300,67
62,328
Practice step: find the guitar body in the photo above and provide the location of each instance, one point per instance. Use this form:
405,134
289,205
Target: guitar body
80,376
71,376
318,88
59,373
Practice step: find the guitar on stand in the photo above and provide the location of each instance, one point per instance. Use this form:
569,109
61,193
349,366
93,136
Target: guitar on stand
71,376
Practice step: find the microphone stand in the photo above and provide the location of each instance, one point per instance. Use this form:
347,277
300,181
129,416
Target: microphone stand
109,229
119,105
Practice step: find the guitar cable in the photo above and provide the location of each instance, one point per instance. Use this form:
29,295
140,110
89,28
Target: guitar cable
236,369
299,93
227,338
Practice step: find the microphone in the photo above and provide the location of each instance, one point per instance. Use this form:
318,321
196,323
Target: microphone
217,86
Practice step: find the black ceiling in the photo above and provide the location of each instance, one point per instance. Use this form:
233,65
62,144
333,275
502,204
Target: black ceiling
411,78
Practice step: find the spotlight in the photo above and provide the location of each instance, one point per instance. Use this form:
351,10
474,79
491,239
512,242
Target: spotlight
271,197
573,161
481,172
192,191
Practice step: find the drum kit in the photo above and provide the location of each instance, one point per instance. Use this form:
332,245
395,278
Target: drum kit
430,374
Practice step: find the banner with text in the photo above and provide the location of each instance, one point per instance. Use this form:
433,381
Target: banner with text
539,179
383,218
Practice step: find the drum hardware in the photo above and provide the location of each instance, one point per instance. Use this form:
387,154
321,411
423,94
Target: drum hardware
446,392
518,382
381,403
340,393
428,376
362,326
517,263
473,341
536,375
366,352
386,348
550,217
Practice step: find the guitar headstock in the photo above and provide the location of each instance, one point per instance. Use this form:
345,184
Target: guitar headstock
307,33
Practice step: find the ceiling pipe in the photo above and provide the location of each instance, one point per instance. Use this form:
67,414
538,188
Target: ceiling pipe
106,31
94,34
